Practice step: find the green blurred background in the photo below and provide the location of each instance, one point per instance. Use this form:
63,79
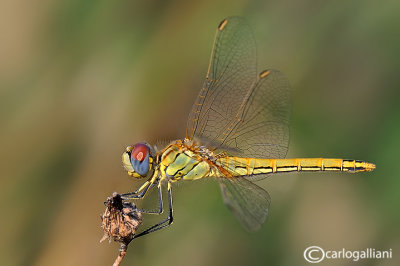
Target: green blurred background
82,79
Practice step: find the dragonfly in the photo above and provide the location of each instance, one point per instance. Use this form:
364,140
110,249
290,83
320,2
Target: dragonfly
237,132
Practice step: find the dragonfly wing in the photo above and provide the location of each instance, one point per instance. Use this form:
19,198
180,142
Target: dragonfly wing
236,112
262,130
248,202
232,71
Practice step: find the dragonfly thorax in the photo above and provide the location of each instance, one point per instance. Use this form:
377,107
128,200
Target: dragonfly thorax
185,160
203,150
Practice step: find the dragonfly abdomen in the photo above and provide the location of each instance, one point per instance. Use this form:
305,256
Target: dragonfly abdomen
238,166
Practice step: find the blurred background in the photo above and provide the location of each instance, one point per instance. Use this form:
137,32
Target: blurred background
82,79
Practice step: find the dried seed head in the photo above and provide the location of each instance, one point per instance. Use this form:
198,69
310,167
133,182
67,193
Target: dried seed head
120,220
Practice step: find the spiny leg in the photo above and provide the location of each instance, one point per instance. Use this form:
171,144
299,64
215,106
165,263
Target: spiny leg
138,193
166,222
143,189
160,202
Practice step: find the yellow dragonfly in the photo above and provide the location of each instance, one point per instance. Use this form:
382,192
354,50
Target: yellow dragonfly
237,132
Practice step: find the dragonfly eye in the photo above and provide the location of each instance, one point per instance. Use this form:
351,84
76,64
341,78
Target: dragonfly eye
139,152
140,158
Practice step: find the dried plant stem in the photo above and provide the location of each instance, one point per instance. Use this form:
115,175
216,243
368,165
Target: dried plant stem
121,255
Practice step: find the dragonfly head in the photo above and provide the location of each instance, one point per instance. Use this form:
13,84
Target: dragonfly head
138,160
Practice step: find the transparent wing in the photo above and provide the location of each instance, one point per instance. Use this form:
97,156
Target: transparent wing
247,201
237,112
231,72
241,114
262,130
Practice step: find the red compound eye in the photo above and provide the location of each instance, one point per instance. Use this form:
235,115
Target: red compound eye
139,152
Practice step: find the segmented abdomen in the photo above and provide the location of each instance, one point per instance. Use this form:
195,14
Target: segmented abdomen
238,166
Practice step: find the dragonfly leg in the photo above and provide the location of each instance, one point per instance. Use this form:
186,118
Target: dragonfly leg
138,193
160,202
134,195
142,190
164,223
